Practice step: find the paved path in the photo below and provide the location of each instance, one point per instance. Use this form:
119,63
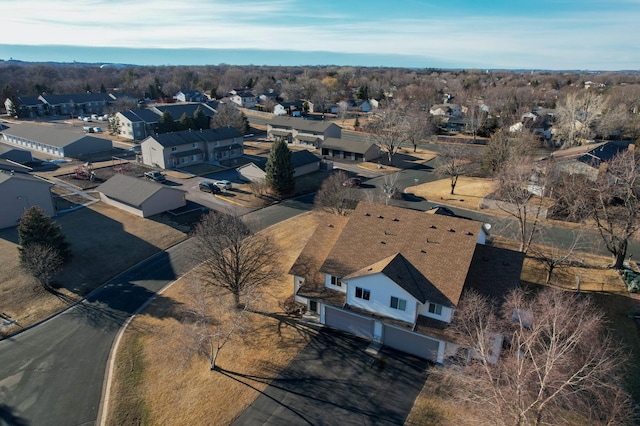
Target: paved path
334,382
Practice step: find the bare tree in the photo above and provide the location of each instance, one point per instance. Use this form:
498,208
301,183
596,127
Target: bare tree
334,197
389,187
210,322
454,161
576,117
389,129
552,254
516,183
501,148
233,256
557,360
229,115
614,203
476,117
42,262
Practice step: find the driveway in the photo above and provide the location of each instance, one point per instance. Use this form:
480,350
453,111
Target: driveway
333,381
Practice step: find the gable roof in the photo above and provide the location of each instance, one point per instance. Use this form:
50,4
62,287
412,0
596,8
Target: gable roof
347,145
184,137
303,157
27,101
76,98
131,190
177,110
440,248
6,177
145,115
482,276
603,153
51,135
301,123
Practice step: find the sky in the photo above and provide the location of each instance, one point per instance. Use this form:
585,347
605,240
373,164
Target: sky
507,34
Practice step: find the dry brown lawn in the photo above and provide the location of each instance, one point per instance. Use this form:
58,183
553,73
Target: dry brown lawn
104,241
468,193
156,382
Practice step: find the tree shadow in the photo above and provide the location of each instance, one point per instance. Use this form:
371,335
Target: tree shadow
10,418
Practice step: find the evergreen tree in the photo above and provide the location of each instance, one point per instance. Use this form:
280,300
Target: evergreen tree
280,168
103,89
200,120
186,122
166,123
35,228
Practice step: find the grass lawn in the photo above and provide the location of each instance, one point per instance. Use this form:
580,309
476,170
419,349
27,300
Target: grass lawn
468,193
104,241
156,383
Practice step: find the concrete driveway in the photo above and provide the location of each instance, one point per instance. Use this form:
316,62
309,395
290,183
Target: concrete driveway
333,381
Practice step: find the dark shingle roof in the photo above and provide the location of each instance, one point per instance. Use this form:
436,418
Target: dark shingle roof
303,157
190,136
76,98
5,177
347,145
176,110
29,101
301,124
130,190
51,135
603,153
494,271
145,115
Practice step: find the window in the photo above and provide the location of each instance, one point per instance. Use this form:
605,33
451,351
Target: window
362,293
399,304
173,148
194,145
336,281
435,309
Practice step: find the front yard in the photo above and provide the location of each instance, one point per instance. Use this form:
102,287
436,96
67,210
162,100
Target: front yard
104,242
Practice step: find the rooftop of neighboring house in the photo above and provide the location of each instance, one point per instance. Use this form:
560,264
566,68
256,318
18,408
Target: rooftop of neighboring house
603,153
131,190
348,145
177,110
50,135
145,115
76,98
300,124
184,137
6,176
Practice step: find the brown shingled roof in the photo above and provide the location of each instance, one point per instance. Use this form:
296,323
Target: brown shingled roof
440,248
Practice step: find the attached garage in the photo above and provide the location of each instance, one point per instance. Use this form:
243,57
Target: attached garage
349,322
410,342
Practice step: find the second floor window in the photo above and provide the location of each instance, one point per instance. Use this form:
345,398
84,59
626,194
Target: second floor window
336,281
399,304
435,309
363,293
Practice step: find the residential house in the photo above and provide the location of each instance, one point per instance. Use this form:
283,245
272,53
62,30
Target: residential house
190,96
18,192
396,276
349,149
301,131
54,140
293,109
244,99
446,110
187,147
137,124
27,106
18,155
304,162
76,104
590,160
140,197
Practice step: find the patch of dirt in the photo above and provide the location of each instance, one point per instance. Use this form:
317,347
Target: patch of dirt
81,179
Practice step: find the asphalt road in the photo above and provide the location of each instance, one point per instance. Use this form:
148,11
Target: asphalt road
52,374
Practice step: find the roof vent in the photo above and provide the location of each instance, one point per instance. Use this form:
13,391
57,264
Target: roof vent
451,230
382,242
380,216
330,225
432,227
468,233
423,251
395,219
367,214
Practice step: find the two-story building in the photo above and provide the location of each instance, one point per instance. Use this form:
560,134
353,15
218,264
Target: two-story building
77,104
396,276
137,124
187,147
302,132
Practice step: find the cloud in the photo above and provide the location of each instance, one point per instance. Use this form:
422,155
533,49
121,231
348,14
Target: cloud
580,39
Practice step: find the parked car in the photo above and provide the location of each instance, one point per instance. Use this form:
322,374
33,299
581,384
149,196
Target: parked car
155,176
352,182
97,129
208,187
223,184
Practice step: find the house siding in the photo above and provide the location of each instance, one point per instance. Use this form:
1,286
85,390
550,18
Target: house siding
166,199
382,289
19,195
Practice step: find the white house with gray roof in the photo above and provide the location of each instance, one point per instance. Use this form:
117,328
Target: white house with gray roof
301,131
137,124
54,140
187,147
140,197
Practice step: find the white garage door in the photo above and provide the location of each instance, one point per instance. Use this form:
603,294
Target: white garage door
350,322
410,342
